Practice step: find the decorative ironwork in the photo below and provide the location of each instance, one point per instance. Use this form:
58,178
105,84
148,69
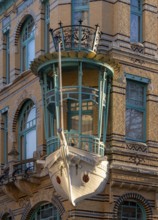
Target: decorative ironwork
76,37
24,169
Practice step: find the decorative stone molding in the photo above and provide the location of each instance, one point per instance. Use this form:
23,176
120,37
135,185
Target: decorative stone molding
39,198
137,198
136,159
137,47
136,146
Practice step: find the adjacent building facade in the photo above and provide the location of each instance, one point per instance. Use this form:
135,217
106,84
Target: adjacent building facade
127,56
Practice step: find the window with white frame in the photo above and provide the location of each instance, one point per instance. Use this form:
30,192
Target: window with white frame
27,43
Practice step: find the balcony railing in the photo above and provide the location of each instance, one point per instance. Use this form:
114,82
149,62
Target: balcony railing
85,142
73,93
21,169
76,37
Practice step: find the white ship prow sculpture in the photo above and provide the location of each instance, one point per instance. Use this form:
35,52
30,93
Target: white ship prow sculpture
75,158
77,174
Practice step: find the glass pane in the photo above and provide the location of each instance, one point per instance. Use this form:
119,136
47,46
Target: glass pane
31,118
30,143
134,124
87,124
31,51
24,57
136,4
131,211
135,94
135,28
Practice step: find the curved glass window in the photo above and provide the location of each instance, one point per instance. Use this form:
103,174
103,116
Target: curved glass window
46,212
27,130
130,210
27,43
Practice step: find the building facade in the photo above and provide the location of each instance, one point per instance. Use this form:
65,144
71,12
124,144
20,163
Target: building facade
117,79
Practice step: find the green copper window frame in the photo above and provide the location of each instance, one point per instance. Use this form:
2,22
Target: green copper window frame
24,130
38,214
5,136
46,25
27,36
135,207
85,111
79,8
137,12
7,56
141,82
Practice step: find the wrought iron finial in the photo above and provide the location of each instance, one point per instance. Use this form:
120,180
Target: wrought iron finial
60,24
80,22
50,30
97,25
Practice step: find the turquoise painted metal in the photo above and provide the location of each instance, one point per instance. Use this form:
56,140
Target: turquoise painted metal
86,106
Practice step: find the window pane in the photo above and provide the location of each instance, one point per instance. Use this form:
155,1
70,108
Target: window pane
30,143
135,28
131,211
135,4
31,51
135,94
134,124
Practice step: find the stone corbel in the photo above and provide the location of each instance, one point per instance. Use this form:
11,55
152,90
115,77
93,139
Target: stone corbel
11,191
25,186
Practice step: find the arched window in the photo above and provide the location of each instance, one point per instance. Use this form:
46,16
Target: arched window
27,43
46,212
131,210
27,130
